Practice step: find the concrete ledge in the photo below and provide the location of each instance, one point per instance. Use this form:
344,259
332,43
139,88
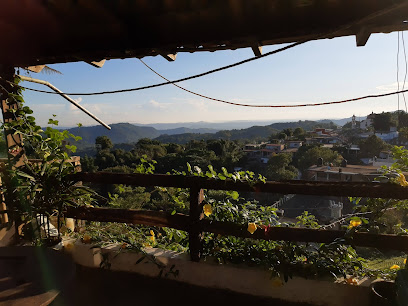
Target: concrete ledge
239,279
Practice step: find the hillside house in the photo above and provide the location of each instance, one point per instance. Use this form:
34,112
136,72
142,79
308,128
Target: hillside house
388,136
322,131
274,147
384,159
350,173
291,144
253,146
368,122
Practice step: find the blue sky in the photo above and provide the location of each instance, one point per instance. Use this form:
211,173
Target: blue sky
317,71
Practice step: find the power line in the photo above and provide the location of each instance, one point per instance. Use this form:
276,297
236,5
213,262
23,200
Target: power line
406,69
175,81
398,98
275,106
317,36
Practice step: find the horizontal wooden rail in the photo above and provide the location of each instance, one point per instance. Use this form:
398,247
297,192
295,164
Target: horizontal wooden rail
130,216
341,189
183,222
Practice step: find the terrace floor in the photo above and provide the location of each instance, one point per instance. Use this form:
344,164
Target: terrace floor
104,287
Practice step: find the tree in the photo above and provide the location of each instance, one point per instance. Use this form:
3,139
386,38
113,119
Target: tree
288,132
310,157
299,132
274,138
403,134
103,143
282,136
278,167
383,122
88,165
372,146
402,119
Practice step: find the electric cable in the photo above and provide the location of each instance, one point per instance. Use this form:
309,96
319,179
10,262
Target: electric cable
328,34
277,106
398,98
406,70
172,82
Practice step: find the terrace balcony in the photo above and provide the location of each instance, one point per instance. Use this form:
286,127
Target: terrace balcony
221,282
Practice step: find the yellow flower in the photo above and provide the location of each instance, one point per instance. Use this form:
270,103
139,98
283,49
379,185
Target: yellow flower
354,223
86,239
277,282
207,210
405,261
152,233
252,227
351,281
394,267
152,239
402,180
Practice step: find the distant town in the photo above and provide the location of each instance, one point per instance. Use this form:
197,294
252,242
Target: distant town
307,150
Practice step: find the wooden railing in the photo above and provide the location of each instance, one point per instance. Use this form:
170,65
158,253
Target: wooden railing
195,224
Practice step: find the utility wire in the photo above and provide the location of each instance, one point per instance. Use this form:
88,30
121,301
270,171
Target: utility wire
175,81
275,106
406,70
398,98
328,34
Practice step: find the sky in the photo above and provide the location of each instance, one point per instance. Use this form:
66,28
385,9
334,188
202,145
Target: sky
318,71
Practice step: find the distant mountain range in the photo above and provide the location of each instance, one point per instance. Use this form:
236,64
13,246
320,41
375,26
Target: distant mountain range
251,133
129,133
230,125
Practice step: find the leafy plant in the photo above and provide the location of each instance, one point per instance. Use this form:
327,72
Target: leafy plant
43,188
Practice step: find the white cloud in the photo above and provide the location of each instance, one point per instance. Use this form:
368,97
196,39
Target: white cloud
391,87
159,105
72,107
200,105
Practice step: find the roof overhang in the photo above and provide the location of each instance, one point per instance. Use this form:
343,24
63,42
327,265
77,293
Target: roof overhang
39,32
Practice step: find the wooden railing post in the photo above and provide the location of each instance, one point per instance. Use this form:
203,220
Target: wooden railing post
14,142
15,150
196,214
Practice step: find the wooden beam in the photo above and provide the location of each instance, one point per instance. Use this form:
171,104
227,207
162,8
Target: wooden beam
257,49
97,64
340,189
170,57
362,37
36,69
130,216
183,222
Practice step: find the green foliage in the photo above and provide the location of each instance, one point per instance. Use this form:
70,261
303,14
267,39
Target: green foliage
299,133
45,187
134,238
401,160
372,146
309,156
103,143
383,122
279,167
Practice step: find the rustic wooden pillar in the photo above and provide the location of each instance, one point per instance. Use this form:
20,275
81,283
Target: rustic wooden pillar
15,151
196,214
